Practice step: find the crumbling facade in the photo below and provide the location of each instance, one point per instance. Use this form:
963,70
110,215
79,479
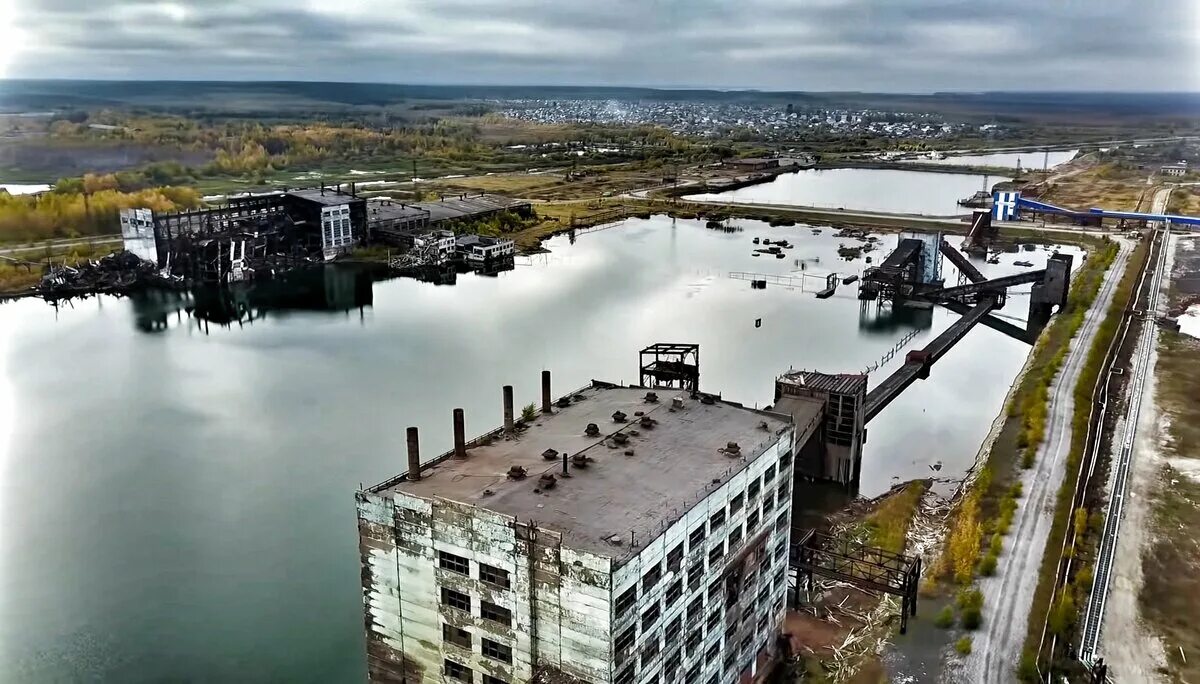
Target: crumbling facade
622,537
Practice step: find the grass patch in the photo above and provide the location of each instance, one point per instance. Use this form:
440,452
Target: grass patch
963,646
945,618
888,524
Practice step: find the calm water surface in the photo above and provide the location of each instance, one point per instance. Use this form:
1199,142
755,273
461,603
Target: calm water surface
177,496
885,190
1025,160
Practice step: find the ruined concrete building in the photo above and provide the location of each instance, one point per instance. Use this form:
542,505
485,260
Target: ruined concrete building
625,535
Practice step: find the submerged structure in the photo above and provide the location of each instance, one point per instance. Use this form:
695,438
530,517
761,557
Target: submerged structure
257,236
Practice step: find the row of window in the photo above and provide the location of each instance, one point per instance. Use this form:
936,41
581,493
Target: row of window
628,599
722,595
462,673
487,610
494,576
491,649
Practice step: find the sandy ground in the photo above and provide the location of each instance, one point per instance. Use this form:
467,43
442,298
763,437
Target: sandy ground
1009,594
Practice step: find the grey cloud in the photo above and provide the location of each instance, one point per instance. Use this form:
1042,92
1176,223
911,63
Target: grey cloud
917,45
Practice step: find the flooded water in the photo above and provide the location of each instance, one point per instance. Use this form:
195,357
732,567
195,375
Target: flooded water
883,190
1011,160
177,489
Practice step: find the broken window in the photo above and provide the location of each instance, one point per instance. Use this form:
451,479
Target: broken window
453,563
649,650
696,575
674,591
693,641
781,521
625,676
675,558
624,642
714,556
785,460
716,520
489,679
650,616
735,537
751,521
456,599
693,675
672,630
768,504
496,651
494,576
651,577
735,504
697,537
626,600
456,635
713,620
457,671
752,490
495,613
769,474
671,666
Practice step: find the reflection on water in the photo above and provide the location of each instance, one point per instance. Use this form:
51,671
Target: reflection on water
178,499
317,289
883,190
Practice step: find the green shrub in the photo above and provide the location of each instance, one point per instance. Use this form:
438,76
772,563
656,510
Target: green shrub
987,566
997,544
1027,670
945,618
963,646
529,413
970,605
1017,490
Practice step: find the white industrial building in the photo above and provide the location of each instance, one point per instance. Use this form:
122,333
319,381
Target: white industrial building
660,556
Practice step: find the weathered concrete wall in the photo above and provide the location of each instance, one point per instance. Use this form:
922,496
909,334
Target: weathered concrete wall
769,537
558,598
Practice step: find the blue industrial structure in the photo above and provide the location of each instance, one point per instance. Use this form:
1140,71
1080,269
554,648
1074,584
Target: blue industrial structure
1008,206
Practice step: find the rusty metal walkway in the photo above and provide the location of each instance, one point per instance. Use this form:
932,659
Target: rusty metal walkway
866,567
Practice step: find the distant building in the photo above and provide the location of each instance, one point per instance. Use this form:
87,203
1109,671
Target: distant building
661,557
1179,169
395,222
137,233
481,248
752,163
342,217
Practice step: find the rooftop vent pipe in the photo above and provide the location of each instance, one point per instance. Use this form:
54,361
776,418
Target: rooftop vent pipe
460,434
545,391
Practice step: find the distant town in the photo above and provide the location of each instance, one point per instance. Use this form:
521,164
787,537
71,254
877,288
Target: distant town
754,121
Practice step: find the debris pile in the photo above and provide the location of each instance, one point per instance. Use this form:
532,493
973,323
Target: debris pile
118,272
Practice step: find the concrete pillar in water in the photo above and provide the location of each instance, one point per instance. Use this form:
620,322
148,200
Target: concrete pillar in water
508,408
414,455
545,391
460,436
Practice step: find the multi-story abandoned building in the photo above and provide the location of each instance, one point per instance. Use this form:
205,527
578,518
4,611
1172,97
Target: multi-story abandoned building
624,535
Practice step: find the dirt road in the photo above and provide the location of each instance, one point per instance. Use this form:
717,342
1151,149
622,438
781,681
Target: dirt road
1009,594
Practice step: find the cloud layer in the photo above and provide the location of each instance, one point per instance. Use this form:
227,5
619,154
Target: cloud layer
874,45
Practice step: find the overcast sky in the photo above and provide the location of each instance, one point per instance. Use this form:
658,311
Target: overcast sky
875,45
